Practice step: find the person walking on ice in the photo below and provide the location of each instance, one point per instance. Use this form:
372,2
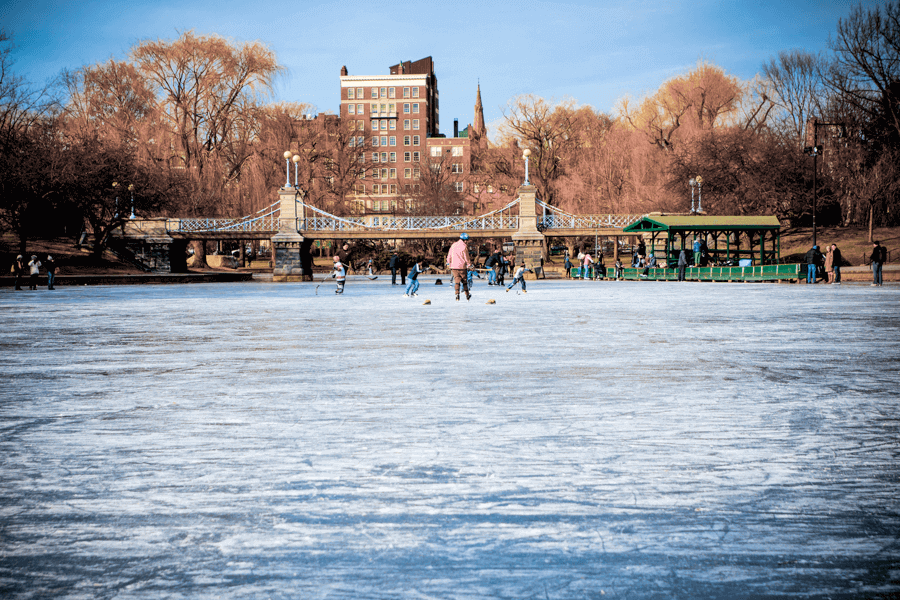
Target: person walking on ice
519,277
413,285
370,270
340,274
458,261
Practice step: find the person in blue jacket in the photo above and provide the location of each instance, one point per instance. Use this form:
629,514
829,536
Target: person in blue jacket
413,285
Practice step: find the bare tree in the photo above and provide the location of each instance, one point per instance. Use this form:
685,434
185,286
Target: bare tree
796,81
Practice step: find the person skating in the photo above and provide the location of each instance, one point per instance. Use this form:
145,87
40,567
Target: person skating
35,269
878,258
413,285
370,270
493,265
19,268
519,277
394,265
458,261
339,274
50,265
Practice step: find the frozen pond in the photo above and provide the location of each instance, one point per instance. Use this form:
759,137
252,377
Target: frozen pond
586,440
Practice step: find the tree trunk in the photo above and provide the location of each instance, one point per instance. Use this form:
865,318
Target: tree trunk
871,218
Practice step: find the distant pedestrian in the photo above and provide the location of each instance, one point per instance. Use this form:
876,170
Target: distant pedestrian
682,264
642,249
619,269
519,277
19,269
35,269
394,264
837,258
50,265
698,252
829,265
878,258
345,255
339,274
413,286
651,264
370,270
599,267
458,261
813,260
568,264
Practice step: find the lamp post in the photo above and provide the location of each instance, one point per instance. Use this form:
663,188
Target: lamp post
692,182
814,151
287,168
296,160
115,184
699,181
525,155
131,190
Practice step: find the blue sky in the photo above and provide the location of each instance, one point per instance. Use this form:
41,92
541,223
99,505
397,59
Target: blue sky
594,52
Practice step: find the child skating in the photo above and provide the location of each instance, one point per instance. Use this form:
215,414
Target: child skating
340,274
519,277
413,286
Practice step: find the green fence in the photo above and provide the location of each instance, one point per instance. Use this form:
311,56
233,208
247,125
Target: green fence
758,273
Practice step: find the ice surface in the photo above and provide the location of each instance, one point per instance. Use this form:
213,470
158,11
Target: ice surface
623,440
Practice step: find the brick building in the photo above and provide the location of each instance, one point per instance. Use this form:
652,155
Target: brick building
396,118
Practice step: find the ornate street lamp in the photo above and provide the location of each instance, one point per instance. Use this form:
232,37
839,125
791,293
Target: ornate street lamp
115,184
131,190
525,155
699,181
296,160
287,168
692,182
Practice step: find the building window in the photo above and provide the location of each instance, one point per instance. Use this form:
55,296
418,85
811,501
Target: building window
416,174
384,173
359,109
384,124
435,150
456,168
416,188
351,109
359,94
415,140
406,92
392,92
393,173
374,92
374,124
384,92
406,124
392,108
374,157
384,140
374,141
350,94
458,186
415,157
415,92
360,125
406,157
475,187
361,140
393,157
457,151
384,157
383,108
393,189
407,173
393,140
406,108
415,123
392,125
406,140
415,107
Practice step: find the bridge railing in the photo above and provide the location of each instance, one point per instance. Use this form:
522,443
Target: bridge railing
394,223
259,224
564,221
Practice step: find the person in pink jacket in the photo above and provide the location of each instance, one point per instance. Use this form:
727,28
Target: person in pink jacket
458,261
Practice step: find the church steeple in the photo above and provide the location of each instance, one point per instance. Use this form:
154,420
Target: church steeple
478,126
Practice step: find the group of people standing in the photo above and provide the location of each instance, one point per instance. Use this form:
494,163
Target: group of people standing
830,262
34,271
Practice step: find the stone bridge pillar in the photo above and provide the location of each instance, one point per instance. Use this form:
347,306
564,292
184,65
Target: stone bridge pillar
528,240
290,250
